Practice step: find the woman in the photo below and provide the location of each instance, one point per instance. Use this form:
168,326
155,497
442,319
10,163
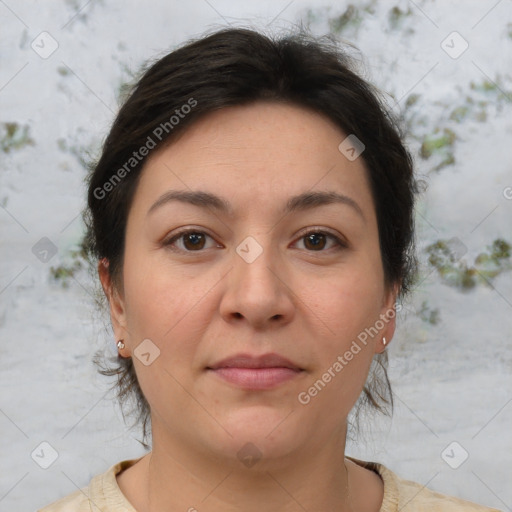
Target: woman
252,216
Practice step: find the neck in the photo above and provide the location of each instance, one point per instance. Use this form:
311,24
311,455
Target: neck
180,477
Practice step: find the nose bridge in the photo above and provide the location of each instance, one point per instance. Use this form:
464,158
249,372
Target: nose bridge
255,290
255,263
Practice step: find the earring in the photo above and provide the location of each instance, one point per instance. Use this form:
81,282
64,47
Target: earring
120,344
384,341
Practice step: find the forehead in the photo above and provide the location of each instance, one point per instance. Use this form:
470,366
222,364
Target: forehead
261,152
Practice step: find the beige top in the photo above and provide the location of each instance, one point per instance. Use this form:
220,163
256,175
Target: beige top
103,494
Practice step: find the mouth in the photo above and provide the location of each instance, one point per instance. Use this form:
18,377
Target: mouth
255,372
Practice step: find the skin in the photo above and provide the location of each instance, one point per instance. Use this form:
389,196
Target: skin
198,307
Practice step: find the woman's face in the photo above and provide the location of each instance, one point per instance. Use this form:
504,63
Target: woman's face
275,265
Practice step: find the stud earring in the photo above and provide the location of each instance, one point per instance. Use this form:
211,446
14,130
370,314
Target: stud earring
120,344
384,341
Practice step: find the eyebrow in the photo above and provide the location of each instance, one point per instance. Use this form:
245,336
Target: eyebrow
301,202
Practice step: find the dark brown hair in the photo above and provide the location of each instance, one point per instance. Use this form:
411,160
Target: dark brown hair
237,67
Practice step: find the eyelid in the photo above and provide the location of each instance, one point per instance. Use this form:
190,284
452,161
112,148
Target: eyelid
340,241
171,239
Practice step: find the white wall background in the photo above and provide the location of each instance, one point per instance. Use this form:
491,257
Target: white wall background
452,379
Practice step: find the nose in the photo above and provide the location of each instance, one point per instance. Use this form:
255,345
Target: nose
259,291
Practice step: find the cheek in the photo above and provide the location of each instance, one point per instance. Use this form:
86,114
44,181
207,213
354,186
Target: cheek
170,308
157,296
162,306
344,355
350,301
348,307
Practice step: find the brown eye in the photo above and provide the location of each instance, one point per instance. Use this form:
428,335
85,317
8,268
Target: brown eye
188,241
193,240
321,241
315,241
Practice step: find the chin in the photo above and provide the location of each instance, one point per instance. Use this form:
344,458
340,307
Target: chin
258,434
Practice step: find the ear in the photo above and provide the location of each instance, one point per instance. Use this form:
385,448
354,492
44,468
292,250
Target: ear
116,302
388,317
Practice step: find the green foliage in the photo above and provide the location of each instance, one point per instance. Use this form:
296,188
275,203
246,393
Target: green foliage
75,262
82,153
446,256
63,273
491,89
396,17
484,86
351,17
483,94
496,259
77,9
14,136
459,113
428,315
412,99
63,71
437,143
440,145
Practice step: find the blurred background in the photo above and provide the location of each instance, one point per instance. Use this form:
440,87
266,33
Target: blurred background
445,68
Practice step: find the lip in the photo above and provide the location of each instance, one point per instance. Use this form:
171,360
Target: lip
256,372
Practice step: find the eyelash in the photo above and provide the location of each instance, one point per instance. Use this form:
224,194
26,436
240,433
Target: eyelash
339,243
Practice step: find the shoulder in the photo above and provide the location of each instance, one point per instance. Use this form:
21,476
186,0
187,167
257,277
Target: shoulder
408,496
413,496
102,493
